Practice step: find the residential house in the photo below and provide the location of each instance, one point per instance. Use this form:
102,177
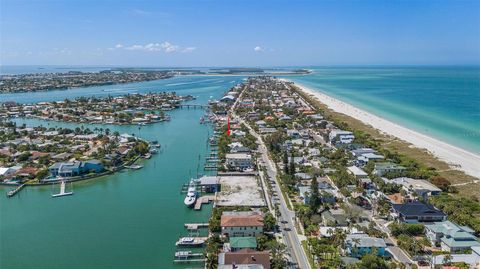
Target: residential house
6,171
421,187
357,172
341,137
239,161
334,217
236,147
241,224
414,212
451,236
366,157
75,168
239,243
358,245
382,168
244,259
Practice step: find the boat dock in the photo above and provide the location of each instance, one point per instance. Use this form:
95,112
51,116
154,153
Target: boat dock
195,226
203,200
12,193
188,256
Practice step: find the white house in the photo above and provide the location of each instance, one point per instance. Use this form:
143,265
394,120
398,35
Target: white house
341,137
6,171
357,172
239,160
238,147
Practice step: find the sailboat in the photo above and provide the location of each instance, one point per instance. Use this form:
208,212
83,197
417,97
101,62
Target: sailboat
62,190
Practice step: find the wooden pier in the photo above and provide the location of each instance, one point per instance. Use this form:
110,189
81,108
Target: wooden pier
15,191
203,200
195,226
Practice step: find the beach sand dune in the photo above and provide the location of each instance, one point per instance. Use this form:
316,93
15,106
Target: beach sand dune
457,158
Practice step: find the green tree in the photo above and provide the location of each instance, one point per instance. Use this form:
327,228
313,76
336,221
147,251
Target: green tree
315,200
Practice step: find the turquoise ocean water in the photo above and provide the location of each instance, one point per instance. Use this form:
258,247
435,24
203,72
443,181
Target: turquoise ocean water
127,220
132,219
442,102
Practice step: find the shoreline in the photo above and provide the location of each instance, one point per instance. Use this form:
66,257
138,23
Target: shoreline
455,157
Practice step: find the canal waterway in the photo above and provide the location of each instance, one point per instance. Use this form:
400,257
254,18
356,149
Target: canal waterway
127,220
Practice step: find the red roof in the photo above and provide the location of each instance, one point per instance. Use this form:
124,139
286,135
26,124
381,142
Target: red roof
241,221
248,256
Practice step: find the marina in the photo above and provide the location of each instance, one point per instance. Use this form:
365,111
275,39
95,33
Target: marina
153,188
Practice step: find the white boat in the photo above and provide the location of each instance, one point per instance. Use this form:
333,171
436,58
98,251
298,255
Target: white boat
62,191
135,166
191,194
190,242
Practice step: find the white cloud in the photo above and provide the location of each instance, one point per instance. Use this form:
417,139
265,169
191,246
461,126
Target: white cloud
189,49
166,47
137,11
258,49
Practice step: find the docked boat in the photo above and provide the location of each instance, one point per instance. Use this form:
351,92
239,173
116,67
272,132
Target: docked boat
147,156
190,242
135,166
191,194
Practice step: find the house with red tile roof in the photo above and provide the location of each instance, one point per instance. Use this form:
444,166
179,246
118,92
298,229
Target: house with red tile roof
241,224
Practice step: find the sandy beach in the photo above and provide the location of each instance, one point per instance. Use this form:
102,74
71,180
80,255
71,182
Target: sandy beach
458,158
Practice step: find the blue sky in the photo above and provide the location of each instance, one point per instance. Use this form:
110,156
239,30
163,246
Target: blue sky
238,33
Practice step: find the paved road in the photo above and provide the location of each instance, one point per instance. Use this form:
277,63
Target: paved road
290,234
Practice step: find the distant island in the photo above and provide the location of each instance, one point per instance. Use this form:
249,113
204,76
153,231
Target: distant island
33,82
75,79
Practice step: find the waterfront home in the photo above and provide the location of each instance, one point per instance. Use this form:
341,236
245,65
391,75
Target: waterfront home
239,161
341,137
241,224
244,259
414,212
75,168
239,243
451,236
420,187
238,133
236,147
358,245
6,172
210,184
386,167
